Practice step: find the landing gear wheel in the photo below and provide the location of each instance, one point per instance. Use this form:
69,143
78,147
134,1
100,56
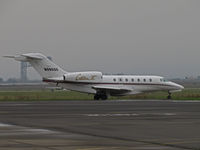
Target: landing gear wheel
104,97
169,96
100,96
96,97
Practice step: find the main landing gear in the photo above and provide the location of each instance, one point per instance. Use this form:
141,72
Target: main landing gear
169,96
100,96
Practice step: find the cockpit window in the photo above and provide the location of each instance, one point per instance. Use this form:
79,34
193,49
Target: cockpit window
164,80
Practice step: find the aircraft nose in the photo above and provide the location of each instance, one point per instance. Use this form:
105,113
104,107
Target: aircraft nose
179,87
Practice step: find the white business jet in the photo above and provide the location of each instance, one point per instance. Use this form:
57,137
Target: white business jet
94,82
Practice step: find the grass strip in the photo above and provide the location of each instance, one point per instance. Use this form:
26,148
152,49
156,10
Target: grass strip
46,95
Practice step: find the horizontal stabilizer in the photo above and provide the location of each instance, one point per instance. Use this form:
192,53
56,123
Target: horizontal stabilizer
25,57
31,56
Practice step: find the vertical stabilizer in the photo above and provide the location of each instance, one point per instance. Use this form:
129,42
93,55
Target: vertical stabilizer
45,67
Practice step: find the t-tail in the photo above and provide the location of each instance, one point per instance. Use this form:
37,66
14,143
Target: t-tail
45,67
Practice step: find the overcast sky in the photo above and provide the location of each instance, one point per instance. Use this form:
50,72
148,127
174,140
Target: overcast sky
159,37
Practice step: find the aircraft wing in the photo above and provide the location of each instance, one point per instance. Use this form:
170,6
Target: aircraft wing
113,90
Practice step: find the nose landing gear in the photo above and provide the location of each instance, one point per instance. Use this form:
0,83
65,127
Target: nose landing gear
169,96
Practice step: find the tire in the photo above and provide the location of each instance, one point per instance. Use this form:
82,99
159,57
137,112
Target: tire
104,97
169,97
96,97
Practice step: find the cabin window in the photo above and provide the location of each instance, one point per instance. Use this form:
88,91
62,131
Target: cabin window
126,80
132,80
120,79
144,80
114,80
138,80
150,80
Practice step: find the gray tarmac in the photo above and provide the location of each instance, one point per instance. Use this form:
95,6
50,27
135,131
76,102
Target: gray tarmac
88,125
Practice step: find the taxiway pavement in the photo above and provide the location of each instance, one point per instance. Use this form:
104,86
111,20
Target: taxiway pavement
114,124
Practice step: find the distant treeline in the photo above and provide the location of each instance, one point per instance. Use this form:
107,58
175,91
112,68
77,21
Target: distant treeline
188,83
14,80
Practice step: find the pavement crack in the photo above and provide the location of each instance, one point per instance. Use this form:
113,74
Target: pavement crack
125,139
33,145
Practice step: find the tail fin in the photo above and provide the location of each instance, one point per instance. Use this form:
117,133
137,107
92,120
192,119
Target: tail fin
45,67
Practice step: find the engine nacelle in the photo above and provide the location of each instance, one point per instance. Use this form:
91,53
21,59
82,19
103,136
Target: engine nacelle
83,76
